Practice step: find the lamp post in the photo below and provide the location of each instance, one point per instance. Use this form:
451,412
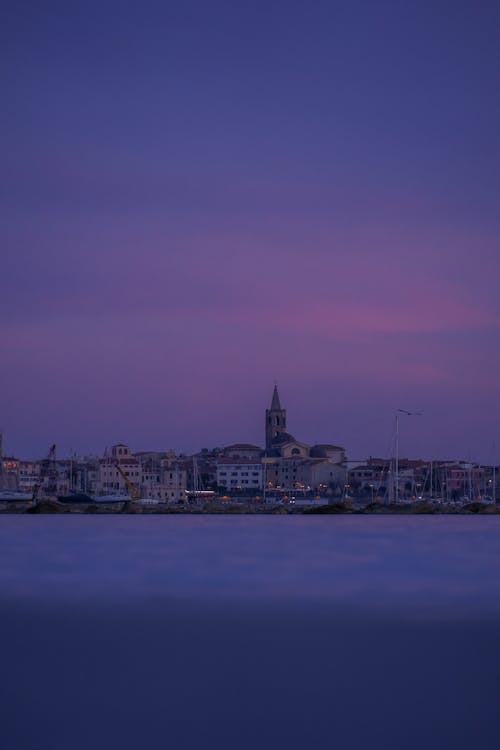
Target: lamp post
408,414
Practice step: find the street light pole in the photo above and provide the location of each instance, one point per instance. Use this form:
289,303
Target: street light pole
408,414
396,478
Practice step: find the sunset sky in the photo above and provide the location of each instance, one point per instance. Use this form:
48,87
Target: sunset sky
200,198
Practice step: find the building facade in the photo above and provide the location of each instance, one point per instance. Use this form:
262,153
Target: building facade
241,475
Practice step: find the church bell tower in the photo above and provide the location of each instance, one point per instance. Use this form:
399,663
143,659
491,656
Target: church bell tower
275,420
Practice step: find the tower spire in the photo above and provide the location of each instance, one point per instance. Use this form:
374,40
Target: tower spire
275,419
275,403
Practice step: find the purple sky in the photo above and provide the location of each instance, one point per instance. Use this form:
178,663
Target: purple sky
200,198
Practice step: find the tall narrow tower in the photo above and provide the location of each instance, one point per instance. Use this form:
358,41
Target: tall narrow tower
275,420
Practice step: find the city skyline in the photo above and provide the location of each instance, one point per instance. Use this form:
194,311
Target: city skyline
199,199
400,431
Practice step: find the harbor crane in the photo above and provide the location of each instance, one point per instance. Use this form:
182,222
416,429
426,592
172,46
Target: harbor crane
133,492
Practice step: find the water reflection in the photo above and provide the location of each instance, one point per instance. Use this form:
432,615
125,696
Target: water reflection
249,633
438,563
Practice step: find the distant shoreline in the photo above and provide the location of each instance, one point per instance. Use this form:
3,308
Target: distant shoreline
48,506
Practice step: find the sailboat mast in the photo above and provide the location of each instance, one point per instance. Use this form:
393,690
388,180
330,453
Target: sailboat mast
195,475
396,478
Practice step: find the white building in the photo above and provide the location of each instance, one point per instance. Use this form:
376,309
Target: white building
241,475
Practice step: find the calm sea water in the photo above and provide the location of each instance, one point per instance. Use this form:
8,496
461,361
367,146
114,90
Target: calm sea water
249,632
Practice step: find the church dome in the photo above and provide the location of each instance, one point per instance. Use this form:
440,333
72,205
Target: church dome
283,437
